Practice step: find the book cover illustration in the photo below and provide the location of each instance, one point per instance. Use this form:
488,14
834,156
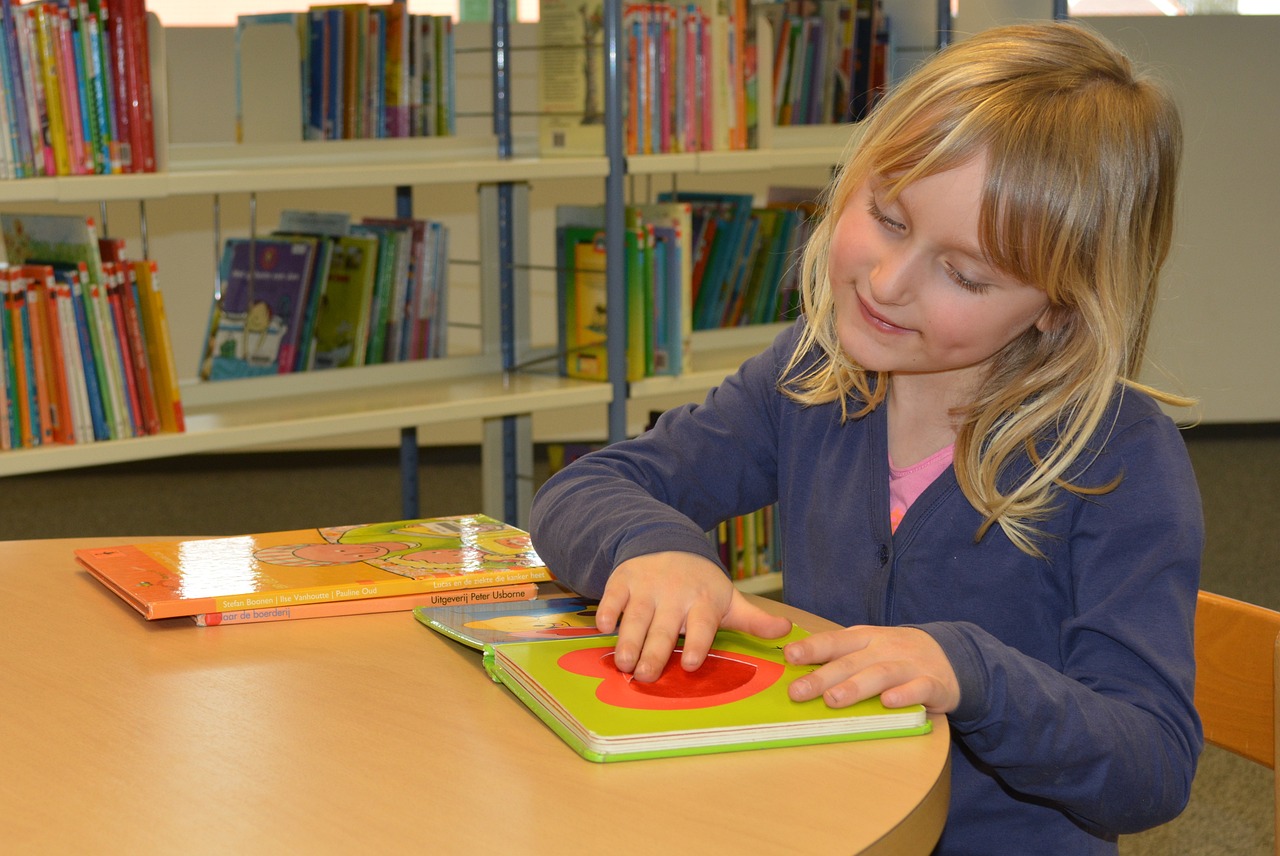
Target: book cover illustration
736,700
477,625
254,328
163,579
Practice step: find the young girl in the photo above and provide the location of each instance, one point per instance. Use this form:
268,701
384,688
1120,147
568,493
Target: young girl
968,476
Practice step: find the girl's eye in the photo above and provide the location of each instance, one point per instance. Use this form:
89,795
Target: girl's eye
879,217
964,282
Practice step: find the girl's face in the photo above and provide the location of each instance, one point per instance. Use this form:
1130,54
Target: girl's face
913,293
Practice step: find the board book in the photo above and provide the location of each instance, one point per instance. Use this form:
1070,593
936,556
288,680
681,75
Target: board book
164,579
737,700
477,625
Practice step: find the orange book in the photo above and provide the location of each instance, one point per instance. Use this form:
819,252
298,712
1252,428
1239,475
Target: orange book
399,603
163,579
46,357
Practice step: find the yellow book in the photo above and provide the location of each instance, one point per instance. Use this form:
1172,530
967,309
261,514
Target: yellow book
159,347
164,579
42,26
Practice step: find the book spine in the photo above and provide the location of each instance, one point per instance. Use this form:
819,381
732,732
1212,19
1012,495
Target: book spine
80,156
33,85
116,33
155,325
6,367
93,385
400,603
43,33
145,135
115,317
116,560
46,404
135,336
15,97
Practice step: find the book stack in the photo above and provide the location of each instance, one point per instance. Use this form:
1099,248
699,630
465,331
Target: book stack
365,70
323,292
76,77
334,570
86,350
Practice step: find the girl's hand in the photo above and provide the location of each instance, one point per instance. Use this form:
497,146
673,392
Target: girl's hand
903,665
653,599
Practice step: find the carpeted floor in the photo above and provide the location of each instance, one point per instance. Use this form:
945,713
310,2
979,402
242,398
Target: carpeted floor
1238,468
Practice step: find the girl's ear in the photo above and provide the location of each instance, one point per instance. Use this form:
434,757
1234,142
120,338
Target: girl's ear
1051,319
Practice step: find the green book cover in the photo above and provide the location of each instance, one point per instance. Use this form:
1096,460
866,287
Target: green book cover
342,319
737,700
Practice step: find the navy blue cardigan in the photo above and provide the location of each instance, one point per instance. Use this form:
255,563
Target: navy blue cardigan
1076,670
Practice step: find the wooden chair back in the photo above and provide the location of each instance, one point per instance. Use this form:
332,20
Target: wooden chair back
1237,663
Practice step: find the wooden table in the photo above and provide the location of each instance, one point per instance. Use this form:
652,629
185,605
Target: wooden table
372,734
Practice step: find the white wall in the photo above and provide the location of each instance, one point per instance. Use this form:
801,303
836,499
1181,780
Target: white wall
1215,334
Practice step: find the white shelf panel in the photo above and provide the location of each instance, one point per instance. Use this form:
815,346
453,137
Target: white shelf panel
307,417
342,173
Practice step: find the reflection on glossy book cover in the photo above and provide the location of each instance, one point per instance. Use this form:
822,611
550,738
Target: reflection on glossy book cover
163,579
477,625
736,700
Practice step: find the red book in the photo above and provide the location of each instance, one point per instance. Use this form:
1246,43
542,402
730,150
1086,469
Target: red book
137,346
40,284
111,272
144,137
121,58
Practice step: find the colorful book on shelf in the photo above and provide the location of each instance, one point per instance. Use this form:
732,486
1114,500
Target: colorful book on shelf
478,624
254,328
342,319
155,324
165,579
737,700
426,601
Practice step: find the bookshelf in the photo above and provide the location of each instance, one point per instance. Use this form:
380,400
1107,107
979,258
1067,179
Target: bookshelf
482,385
300,407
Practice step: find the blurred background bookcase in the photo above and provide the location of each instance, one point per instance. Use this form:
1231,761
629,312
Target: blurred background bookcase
470,397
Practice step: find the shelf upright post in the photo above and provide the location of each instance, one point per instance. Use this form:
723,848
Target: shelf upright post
944,23
1060,10
512,434
615,223
410,506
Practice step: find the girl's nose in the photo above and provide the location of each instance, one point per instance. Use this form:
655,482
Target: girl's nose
890,278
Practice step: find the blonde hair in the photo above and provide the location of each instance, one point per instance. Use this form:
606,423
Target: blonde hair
1082,159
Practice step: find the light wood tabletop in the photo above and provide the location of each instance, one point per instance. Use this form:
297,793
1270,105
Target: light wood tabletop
372,734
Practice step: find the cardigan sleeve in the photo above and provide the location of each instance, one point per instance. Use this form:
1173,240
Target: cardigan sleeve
664,490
